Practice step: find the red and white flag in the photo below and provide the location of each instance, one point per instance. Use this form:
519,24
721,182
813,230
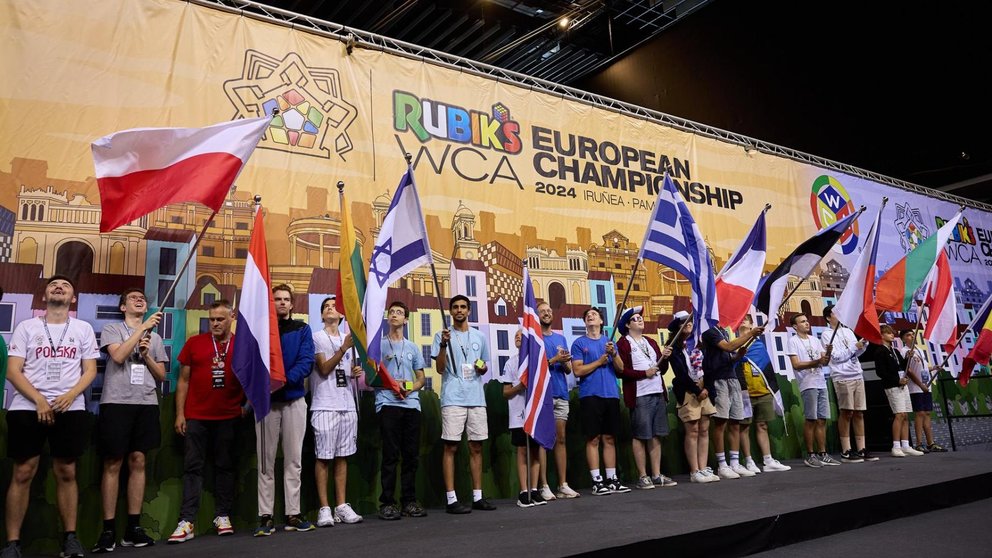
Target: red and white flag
942,323
141,170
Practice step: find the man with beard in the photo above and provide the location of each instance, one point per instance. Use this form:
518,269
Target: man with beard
559,365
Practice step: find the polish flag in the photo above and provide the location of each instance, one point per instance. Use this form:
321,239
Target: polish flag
739,278
141,170
942,322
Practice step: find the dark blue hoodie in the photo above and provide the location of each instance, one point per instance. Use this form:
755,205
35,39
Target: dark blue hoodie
296,340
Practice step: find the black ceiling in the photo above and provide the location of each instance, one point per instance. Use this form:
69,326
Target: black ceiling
892,87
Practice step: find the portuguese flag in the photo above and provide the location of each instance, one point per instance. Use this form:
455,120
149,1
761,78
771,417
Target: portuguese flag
897,287
349,297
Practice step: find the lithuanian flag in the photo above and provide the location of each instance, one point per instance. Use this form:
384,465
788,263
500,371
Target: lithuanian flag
897,287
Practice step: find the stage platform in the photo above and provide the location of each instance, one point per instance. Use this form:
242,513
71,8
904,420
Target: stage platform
729,518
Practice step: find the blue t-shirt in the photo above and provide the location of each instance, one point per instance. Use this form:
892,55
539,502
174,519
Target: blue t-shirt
402,359
559,385
601,382
718,364
462,387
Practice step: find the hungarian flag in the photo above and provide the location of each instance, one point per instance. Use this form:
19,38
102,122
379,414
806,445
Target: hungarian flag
897,287
350,294
981,326
141,170
739,278
942,322
856,306
257,353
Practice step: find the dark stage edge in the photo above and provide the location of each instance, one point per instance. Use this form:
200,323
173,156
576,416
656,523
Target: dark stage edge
729,518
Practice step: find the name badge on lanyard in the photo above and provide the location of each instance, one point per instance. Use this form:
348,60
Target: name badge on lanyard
53,371
217,370
138,374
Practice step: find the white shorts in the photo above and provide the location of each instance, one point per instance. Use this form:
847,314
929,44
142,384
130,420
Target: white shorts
899,400
457,420
335,433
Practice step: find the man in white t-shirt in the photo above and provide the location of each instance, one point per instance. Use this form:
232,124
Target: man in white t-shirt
808,357
334,415
515,393
52,360
849,387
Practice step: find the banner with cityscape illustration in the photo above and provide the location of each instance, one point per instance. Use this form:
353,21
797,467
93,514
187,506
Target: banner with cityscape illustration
505,174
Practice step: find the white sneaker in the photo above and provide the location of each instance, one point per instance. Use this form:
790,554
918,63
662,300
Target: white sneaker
774,465
565,492
324,517
725,472
183,533
547,494
223,525
708,472
897,452
753,467
344,514
741,470
702,478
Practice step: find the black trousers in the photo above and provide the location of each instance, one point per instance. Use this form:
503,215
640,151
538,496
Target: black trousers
217,436
400,428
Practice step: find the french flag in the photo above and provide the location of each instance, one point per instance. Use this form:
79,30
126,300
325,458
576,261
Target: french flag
739,278
257,354
141,170
539,411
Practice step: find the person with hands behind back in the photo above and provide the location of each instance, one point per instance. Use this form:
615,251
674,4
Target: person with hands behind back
890,366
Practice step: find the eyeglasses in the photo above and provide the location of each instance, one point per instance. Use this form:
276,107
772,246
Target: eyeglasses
396,312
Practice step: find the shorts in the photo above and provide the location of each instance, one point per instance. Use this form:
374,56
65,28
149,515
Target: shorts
729,401
692,409
816,406
335,433
458,420
561,409
650,417
519,439
899,400
66,438
123,429
850,394
748,411
922,402
763,408
599,415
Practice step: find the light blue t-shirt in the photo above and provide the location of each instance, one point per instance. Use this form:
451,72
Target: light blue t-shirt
456,389
601,382
559,384
402,360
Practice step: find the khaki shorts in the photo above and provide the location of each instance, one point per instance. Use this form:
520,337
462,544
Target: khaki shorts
561,409
764,408
455,421
850,394
692,409
899,400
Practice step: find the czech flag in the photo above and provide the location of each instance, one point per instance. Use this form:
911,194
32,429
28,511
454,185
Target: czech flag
739,278
539,411
257,354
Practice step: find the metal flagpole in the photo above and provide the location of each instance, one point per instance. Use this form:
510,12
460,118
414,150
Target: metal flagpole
189,256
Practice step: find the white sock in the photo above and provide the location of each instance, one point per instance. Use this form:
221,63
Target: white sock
905,443
896,445
476,495
721,459
595,475
769,459
452,497
735,458
611,473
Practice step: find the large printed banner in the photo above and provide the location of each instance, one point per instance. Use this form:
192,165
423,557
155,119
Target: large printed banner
505,173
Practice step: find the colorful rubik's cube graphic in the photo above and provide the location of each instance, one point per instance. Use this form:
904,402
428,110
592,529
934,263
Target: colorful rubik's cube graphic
913,235
297,123
500,112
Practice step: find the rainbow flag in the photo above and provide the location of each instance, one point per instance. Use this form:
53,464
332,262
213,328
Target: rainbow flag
897,288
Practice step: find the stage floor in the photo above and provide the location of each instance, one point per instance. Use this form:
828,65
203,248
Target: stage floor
832,498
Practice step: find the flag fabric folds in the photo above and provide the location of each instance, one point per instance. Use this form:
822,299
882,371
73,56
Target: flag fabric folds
855,307
401,247
897,287
801,262
757,355
942,322
981,327
141,170
739,278
539,411
674,240
256,356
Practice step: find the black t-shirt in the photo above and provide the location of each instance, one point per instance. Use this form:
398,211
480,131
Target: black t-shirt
718,364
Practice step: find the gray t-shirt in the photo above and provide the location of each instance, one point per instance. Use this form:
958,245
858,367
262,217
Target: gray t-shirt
117,380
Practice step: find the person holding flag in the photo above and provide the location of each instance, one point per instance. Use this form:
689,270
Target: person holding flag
692,399
919,372
891,369
849,387
765,399
808,357
528,450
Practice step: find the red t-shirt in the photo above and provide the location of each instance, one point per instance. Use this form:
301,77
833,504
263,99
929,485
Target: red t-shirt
204,401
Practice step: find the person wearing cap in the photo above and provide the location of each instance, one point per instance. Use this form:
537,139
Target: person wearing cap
849,387
51,362
692,399
645,394
596,365
918,373
559,365
719,357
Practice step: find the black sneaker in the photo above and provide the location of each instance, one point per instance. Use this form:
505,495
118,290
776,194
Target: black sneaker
535,496
72,548
866,456
106,543
414,509
524,500
12,550
851,456
599,488
616,487
457,508
484,504
936,448
137,538
389,512
265,526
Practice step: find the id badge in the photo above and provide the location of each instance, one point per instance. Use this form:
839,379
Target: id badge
468,371
218,378
340,378
138,374
53,371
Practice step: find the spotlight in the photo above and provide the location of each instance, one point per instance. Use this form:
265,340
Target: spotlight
563,22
